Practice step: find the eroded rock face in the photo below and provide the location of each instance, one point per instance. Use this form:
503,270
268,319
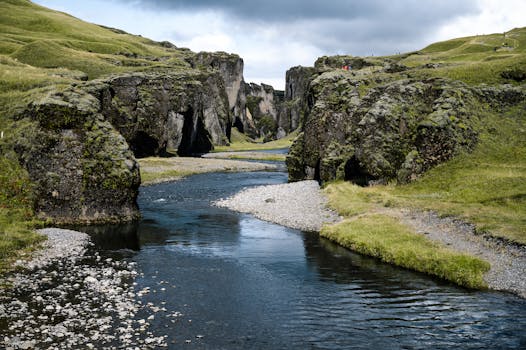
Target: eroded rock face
79,145
181,113
81,167
295,108
255,109
395,130
230,68
263,105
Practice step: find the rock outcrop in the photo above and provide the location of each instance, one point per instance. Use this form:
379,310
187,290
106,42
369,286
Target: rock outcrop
230,68
371,128
295,107
81,167
255,109
263,108
159,114
79,145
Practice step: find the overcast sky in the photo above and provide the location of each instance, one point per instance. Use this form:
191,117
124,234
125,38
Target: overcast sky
274,35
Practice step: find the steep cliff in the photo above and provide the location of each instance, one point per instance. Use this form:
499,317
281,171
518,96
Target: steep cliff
264,106
295,107
374,119
81,168
230,68
167,113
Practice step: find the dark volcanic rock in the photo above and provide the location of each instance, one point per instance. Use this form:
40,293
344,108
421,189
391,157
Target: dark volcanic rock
170,113
396,129
81,167
79,145
295,108
263,106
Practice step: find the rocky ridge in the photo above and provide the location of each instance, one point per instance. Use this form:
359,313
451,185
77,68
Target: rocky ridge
79,144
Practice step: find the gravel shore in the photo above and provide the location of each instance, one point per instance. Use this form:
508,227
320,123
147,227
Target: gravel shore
298,205
508,261
70,298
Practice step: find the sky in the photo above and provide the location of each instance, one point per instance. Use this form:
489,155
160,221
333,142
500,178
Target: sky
274,35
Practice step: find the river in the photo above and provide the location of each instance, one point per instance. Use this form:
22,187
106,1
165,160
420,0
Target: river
241,283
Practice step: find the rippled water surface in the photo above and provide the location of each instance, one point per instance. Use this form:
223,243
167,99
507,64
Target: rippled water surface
241,283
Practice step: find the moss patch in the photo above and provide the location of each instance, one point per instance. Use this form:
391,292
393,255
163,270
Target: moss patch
17,235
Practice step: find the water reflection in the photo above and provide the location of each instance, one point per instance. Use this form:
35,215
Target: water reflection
113,237
242,283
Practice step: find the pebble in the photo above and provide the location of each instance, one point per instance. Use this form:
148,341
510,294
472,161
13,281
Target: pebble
299,205
87,300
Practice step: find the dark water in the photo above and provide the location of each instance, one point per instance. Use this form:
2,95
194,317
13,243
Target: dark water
241,283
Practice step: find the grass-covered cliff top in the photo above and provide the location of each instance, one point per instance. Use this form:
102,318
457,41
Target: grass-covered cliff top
491,59
42,49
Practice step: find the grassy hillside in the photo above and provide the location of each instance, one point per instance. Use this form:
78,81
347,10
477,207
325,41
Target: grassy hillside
483,59
40,48
474,60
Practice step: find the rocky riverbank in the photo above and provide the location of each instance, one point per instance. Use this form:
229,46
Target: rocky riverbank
508,261
70,297
301,205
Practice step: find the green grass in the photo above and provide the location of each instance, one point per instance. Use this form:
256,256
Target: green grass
17,223
241,142
266,157
486,187
474,60
385,238
152,177
148,177
40,48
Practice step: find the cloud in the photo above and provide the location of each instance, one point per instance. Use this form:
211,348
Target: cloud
495,16
333,26
279,10
274,35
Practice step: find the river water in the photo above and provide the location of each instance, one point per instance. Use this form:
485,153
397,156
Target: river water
241,283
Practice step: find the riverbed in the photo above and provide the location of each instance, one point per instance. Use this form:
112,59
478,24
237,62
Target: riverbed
217,279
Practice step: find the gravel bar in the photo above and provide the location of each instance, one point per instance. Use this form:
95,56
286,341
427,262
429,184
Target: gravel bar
70,297
300,205
507,260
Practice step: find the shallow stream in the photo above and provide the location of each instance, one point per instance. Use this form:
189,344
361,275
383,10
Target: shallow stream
241,283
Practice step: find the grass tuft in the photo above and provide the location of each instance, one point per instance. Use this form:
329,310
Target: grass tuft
383,237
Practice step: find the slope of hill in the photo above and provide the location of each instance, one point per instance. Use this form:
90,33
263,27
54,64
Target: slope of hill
41,47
